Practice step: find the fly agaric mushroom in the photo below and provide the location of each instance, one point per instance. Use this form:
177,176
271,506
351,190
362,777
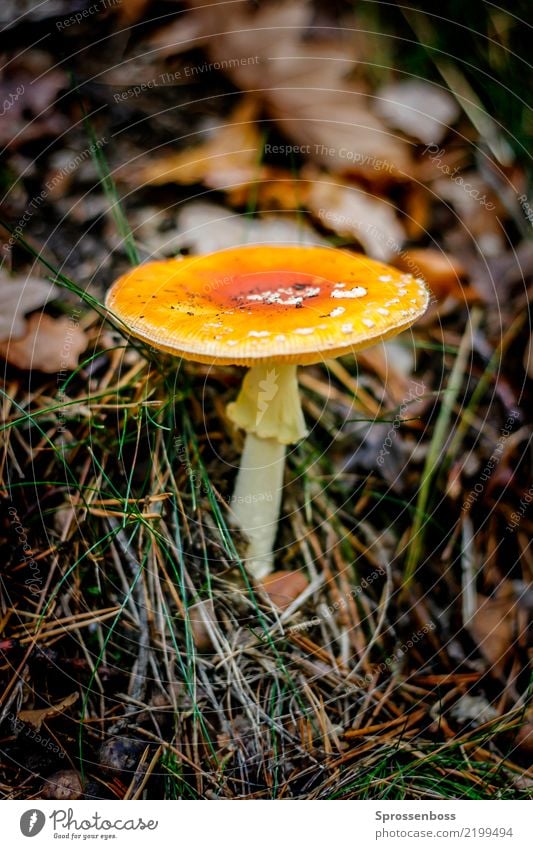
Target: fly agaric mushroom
270,308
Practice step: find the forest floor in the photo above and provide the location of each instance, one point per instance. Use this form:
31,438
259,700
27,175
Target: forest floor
390,659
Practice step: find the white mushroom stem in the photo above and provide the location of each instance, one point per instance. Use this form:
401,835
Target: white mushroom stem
268,409
257,500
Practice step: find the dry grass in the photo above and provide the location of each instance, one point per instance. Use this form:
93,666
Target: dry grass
146,662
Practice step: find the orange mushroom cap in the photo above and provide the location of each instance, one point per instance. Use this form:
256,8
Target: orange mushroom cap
254,305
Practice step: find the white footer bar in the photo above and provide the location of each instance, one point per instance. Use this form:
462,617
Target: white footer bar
262,824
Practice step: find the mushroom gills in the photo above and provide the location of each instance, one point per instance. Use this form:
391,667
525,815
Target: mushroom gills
269,404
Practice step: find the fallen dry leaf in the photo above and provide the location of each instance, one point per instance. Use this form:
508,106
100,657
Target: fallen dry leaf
20,295
308,86
497,624
183,33
444,274
278,190
284,587
202,618
205,227
228,158
476,208
417,210
356,215
202,227
63,785
49,344
35,718
334,127
419,109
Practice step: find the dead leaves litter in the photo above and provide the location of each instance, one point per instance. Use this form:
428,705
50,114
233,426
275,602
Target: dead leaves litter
36,717
49,344
314,92
418,108
20,295
356,215
229,157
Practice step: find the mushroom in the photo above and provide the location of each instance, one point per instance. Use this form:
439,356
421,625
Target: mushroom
270,308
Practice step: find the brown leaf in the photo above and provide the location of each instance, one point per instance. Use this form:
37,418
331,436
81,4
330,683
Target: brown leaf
20,295
278,190
337,130
496,625
417,108
417,209
35,718
205,227
49,344
476,207
228,158
356,215
444,274
500,278
183,33
202,617
308,86
63,785
284,587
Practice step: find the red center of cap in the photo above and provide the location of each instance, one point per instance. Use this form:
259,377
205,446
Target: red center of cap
281,288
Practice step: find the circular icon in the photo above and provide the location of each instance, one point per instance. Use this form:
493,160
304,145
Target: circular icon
32,822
